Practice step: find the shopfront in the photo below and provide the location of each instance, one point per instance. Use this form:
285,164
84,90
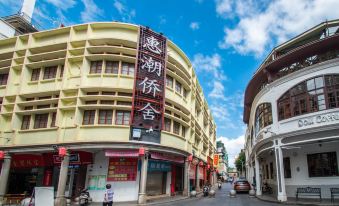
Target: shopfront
37,170
192,176
28,170
158,177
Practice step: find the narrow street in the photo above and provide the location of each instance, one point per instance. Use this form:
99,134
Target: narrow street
222,198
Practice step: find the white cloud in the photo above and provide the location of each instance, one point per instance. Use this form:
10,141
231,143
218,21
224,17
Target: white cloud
217,91
223,7
210,64
264,24
195,25
92,12
62,4
233,147
126,14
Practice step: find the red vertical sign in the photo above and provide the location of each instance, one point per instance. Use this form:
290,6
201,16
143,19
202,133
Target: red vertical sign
149,84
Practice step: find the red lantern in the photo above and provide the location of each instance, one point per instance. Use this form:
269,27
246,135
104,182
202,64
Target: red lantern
201,164
208,166
141,151
62,151
2,155
190,158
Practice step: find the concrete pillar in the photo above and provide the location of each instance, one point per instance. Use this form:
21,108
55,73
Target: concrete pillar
143,179
60,199
257,175
186,178
6,166
70,182
197,180
280,174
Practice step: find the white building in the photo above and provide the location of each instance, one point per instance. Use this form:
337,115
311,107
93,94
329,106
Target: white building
291,109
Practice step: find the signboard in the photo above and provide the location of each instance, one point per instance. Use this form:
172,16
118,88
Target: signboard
201,172
158,166
192,171
149,86
122,169
73,159
319,119
27,161
216,160
168,157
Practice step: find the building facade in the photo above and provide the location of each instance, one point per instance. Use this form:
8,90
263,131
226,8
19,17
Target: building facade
291,109
223,160
73,89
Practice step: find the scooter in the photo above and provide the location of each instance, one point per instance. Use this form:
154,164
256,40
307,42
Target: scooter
219,185
84,198
205,190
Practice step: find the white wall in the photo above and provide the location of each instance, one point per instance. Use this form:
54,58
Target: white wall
274,91
298,158
123,191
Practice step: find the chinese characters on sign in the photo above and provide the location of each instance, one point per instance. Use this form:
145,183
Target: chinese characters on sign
122,169
216,160
148,96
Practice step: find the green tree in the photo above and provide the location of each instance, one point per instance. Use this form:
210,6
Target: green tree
240,162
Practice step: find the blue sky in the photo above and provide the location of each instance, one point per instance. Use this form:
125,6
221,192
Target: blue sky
225,39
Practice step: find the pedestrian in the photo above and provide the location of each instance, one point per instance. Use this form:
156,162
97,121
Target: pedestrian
108,199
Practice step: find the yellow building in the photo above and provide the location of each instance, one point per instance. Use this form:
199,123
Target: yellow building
72,87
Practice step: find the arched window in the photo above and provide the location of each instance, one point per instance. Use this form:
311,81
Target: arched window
263,116
312,95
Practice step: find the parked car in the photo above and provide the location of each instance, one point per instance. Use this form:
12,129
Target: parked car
242,186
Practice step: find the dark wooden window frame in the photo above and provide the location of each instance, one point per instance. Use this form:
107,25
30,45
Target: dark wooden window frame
105,116
311,95
125,117
26,120
50,72
40,120
89,117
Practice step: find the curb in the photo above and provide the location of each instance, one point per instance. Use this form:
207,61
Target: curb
295,203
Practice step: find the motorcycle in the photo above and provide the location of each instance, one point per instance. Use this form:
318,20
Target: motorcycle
84,198
219,185
205,190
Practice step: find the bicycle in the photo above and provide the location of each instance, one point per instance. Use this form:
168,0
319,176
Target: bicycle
267,189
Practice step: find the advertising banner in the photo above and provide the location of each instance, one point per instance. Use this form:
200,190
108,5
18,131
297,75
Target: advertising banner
122,169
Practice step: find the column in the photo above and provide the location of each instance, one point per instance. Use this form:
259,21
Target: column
280,174
6,166
143,179
70,182
257,176
60,199
186,178
197,180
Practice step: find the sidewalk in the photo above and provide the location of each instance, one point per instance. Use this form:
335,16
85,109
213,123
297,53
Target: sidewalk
150,201
301,201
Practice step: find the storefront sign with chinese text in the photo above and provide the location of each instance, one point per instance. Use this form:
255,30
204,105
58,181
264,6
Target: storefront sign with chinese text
149,86
73,159
216,160
122,169
158,166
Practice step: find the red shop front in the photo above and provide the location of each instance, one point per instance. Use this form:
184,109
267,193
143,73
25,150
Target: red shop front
35,170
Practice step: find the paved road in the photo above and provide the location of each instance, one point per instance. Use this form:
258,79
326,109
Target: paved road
222,198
